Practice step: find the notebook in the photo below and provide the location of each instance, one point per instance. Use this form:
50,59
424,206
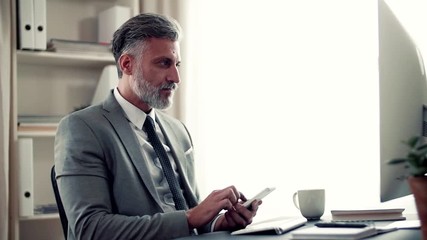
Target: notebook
274,226
379,214
333,233
340,232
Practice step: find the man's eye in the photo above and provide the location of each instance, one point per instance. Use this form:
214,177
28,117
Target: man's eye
178,64
166,63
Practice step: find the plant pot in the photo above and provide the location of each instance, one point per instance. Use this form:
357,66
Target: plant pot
418,187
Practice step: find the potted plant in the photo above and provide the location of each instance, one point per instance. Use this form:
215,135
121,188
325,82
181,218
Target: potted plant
416,162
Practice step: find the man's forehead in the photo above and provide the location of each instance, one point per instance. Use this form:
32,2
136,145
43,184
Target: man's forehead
160,44
157,47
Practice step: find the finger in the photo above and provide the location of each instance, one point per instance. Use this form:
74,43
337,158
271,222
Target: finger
254,206
226,204
242,197
230,224
223,198
246,213
235,193
235,220
231,193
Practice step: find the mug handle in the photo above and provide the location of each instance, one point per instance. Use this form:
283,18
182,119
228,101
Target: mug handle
294,197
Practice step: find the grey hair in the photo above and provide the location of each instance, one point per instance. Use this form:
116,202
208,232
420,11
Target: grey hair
132,35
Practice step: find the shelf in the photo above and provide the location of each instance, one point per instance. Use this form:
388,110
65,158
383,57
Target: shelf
63,59
49,83
49,133
49,216
37,130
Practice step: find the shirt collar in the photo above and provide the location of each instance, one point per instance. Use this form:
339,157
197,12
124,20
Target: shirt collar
133,114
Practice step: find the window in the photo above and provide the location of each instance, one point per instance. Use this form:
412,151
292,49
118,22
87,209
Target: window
284,93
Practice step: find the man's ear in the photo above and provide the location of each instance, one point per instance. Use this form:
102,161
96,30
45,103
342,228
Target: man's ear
126,64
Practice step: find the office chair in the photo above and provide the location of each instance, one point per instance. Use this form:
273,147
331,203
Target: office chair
62,216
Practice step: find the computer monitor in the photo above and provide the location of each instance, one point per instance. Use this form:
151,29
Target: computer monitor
402,96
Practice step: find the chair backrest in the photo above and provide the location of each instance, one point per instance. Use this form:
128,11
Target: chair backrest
61,211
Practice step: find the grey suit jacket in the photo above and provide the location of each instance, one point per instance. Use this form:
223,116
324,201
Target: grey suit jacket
105,185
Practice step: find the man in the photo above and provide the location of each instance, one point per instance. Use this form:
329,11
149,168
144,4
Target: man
109,170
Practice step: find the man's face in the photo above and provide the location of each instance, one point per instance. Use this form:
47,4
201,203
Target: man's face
156,75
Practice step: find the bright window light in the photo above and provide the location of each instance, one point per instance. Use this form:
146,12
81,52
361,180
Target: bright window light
284,93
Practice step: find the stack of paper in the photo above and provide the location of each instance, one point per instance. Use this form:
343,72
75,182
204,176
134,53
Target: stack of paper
347,233
81,47
377,214
334,233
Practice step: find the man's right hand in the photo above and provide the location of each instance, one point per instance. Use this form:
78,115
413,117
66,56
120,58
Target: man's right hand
214,203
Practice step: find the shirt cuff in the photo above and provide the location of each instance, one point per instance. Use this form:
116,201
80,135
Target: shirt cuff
214,222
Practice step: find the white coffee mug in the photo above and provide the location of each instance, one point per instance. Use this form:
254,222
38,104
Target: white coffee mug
310,202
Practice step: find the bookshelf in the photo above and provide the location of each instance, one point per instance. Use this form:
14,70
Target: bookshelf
62,59
50,85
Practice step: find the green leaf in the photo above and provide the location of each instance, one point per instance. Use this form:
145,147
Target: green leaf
422,147
412,142
397,160
416,158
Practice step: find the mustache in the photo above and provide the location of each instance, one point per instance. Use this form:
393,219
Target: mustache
169,86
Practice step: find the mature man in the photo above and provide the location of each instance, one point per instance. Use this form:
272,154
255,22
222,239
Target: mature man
126,170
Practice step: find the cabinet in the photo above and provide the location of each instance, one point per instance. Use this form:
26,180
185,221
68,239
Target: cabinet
50,84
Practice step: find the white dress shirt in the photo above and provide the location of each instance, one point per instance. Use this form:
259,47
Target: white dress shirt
136,118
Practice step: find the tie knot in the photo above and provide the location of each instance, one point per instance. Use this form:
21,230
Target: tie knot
149,123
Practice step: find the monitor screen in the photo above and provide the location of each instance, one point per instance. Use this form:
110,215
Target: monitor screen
402,92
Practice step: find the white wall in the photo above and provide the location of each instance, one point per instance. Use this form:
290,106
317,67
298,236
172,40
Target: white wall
285,94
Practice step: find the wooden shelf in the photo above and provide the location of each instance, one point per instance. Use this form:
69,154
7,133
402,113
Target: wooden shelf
63,59
37,130
49,216
48,83
46,133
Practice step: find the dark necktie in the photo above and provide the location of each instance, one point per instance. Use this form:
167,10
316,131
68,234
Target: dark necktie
166,165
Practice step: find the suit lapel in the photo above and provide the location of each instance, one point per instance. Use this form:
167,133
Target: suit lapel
116,116
179,156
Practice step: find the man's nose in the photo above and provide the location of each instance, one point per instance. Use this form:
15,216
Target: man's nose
173,75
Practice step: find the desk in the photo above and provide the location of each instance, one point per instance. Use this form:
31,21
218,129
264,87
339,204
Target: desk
395,235
401,234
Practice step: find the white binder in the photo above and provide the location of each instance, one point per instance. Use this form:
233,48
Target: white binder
40,24
26,186
26,24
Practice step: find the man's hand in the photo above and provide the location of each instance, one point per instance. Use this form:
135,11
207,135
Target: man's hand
235,217
217,201
238,217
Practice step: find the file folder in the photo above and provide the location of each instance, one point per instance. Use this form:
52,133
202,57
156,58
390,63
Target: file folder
26,24
40,41
26,186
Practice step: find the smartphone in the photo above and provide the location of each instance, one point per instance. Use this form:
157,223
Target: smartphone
260,195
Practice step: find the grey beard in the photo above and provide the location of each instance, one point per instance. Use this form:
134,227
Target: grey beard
151,95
